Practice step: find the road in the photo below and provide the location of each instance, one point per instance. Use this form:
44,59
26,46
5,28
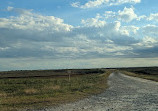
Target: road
124,94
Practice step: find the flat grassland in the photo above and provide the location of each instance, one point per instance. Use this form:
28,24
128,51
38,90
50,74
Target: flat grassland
150,73
37,89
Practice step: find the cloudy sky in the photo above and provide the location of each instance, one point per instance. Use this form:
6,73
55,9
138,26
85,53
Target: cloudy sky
55,34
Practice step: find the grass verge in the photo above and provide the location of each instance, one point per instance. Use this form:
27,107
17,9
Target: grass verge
24,93
144,76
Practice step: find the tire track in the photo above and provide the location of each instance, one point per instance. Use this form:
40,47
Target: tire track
124,94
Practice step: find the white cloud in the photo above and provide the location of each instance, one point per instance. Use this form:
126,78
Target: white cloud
153,17
110,15
117,25
3,48
96,22
75,4
61,49
120,2
41,36
150,30
20,11
147,42
142,17
97,3
127,15
30,21
125,32
100,28
90,4
130,29
38,36
10,8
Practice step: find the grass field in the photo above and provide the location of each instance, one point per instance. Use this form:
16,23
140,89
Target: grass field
43,91
150,73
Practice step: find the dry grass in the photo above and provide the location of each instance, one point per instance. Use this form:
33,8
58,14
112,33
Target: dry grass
52,87
30,91
41,92
144,76
3,94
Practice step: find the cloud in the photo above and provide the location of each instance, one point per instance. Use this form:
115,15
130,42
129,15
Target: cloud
110,14
120,2
3,48
21,36
122,33
142,17
130,29
33,35
90,4
146,52
147,42
19,10
75,4
94,22
127,14
30,21
150,30
10,8
97,3
153,17
95,38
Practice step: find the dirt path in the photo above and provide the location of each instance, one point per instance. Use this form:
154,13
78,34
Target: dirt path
124,94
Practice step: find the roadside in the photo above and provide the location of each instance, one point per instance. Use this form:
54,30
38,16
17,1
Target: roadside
141,75
125,93
35,93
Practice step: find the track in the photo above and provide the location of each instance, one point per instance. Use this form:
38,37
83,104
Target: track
124,94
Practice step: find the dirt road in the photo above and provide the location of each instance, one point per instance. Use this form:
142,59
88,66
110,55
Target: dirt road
124,94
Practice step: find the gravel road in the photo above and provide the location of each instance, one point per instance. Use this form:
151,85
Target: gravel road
124,94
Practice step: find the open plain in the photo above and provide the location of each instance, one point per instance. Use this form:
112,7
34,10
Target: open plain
124,94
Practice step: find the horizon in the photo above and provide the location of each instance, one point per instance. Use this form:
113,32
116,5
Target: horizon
78,34
78,68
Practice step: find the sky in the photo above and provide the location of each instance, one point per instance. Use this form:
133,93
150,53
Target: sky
62,34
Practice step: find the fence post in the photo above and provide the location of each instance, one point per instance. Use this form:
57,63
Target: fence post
69,72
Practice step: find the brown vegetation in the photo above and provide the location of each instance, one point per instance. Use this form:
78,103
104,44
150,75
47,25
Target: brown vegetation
45,91
150,73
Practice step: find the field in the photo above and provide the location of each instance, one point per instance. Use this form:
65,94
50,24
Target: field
150,73
44,88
